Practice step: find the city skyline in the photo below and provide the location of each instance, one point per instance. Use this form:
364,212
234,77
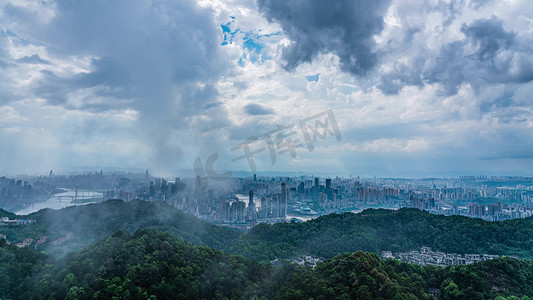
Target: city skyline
429,89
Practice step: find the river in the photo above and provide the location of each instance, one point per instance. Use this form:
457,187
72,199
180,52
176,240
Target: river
55,203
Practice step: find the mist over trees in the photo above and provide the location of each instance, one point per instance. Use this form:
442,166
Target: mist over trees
373,230
152,264
141,250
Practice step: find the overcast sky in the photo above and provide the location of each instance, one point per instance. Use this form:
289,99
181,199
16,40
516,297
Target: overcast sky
417,88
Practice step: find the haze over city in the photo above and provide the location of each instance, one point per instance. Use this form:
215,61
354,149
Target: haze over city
439,88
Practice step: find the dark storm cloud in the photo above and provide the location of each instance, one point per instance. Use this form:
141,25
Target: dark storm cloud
392,82
108,72
345,28
52,88
255,109
488,54
160,58
164,53
109,75
489,36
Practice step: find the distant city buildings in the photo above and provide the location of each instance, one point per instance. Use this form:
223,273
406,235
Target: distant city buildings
17,193
244,202
257,199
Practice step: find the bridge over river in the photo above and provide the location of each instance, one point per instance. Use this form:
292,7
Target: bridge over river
80,196
69,197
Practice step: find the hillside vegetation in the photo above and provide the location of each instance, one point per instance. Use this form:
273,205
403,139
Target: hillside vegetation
151,264
377,230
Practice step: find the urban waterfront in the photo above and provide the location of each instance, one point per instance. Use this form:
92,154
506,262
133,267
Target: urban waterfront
242,202
61,200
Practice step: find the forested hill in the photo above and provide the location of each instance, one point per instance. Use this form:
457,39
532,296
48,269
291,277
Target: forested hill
376,230
7,214
372,230
155,265
147,265
88,223
128,261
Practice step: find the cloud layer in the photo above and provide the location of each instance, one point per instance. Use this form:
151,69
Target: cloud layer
437,87
159,59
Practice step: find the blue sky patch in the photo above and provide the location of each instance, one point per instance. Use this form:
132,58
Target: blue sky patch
228,34
311,78
251,42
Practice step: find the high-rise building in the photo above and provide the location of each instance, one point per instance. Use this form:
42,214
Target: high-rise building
226,211
164,188
283,200
322,200
301,188
152,190
197,185
275,206
265,208
316,189
251,207
251,198
241,207
237,211
494,209
328,183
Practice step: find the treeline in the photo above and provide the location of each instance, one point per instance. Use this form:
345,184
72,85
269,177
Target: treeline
372,230
89,223
4,213
151,264
362,275
378,230
151,250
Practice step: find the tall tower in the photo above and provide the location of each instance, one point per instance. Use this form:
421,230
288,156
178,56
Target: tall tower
265,208
251,206
251,198
198,185
316,189
283,201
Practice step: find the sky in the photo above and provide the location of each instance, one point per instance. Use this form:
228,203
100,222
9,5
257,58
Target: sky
389,88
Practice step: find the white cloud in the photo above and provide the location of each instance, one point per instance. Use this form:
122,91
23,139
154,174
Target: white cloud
155,87
9,115
389,145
